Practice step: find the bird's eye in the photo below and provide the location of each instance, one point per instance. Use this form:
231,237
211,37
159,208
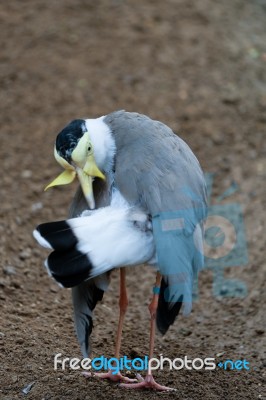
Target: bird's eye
89,148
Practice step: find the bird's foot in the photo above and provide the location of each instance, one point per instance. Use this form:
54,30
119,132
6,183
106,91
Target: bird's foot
109,375
147,383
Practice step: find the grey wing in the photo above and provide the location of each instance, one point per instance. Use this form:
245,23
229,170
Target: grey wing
157,170
154,167
86,295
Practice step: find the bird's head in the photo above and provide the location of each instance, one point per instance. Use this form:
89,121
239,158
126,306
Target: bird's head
77,150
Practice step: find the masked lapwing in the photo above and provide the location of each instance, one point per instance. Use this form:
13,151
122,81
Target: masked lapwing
142,199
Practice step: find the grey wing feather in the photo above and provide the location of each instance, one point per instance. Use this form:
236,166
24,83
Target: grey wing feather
84,297
157,170
154,167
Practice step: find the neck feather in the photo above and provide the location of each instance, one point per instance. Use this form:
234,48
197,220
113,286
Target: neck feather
103,143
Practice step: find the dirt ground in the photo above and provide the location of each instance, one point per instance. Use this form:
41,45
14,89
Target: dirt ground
200,67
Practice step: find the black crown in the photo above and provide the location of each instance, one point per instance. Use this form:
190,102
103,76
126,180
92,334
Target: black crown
69,137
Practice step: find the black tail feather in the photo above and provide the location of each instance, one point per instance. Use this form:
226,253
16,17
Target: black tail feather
166,312
58,234
67,265
69,268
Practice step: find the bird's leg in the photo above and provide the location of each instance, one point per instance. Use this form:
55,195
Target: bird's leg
152,309
149,381
123,303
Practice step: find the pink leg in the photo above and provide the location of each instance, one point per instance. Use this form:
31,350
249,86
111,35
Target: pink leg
123,303
149,381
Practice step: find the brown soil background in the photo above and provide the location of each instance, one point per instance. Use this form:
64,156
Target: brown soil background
200,67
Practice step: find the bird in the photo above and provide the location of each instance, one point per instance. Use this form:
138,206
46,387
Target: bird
138,170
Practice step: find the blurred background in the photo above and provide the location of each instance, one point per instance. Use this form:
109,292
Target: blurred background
199,67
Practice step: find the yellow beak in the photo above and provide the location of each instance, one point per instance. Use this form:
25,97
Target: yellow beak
85,176
86,186
64,178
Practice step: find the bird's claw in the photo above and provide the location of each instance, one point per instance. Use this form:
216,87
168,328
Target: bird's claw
147,383
112,377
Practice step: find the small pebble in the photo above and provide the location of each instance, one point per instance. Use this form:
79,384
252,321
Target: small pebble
36,206
54,288
26,174
25,254
9,270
